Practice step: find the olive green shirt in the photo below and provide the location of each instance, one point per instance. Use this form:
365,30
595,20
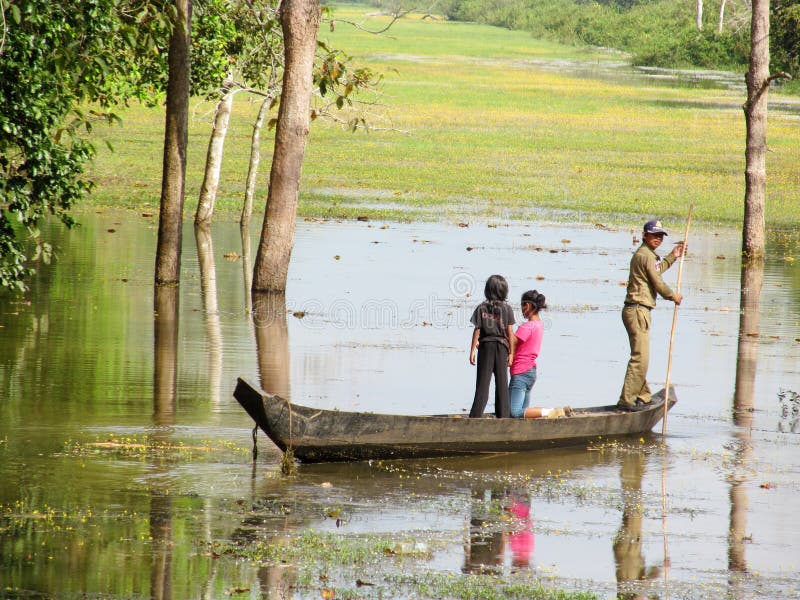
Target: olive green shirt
645,277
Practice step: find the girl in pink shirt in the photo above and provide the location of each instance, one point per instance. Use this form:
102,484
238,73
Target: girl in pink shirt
529,342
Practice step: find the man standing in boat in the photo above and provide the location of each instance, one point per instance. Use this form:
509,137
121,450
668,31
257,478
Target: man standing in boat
644,282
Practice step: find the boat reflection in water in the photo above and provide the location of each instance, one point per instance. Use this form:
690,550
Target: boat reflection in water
500,528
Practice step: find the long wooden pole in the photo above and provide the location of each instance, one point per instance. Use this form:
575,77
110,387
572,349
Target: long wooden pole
675,322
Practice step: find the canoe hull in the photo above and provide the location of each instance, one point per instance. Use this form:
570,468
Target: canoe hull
317,435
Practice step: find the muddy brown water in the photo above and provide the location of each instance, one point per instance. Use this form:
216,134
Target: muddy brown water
123,453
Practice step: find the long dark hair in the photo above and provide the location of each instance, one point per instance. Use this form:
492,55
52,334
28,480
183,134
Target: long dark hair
535,299
496,289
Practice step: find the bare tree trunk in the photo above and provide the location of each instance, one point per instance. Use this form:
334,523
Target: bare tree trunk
252,169
699,15
755,113
216,144
176,136
300,23
721,16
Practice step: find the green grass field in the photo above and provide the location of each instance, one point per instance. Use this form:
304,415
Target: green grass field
468,125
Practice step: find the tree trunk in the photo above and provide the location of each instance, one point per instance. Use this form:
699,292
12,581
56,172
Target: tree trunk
721,16
216,144
699,15
755,112
252,169
299,22
176,135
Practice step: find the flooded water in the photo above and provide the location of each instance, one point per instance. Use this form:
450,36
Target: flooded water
124,458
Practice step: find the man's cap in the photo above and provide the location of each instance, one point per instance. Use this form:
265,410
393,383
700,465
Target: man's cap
654,226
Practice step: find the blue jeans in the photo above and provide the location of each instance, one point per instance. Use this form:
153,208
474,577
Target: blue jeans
519,392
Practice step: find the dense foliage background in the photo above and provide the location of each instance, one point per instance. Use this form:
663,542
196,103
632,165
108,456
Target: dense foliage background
659,33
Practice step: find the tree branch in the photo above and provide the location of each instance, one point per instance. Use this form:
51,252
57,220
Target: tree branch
780,75
5,29
395,17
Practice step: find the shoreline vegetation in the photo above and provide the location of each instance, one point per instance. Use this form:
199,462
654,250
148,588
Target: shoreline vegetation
479,123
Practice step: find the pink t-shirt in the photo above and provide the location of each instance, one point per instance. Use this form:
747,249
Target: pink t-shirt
529,343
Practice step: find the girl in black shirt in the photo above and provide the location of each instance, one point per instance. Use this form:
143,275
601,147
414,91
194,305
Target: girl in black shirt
492,347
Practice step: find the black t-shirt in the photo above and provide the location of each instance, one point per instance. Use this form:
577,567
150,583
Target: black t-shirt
493,317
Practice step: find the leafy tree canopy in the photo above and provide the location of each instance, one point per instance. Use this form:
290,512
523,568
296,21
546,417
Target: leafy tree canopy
785,34
57,59
54,57
65,65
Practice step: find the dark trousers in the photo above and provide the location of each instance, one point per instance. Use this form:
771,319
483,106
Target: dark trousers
492,359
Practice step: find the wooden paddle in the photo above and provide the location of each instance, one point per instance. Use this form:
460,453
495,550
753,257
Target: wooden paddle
675,322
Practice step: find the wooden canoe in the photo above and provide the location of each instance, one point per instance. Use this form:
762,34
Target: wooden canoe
319,435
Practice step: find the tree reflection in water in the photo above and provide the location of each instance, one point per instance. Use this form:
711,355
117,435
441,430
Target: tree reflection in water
272,342
743,407
165,369
208,293
165,354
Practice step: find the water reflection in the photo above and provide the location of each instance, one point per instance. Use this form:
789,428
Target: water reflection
78,367
208,292
520,542
629,559
272,342
165,354
747,348
500,527
161,553
752,278
789,401
277,581
484,552
247,271
165,368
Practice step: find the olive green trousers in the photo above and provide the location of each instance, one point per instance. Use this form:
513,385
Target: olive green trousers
637,323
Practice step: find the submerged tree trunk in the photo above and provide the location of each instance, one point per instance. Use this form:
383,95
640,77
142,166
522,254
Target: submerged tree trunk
755,113
699,21
176,136
216,144
300,23
252,169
